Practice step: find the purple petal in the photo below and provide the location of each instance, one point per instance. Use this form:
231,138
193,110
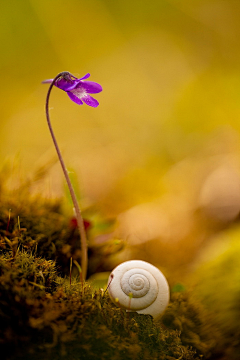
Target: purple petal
74,98
77,89
90,101
65,84
49,81
85,77
90,87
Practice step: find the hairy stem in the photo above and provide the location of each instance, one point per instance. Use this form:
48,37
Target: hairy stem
80,223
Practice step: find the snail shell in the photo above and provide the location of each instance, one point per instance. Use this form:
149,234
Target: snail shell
139,286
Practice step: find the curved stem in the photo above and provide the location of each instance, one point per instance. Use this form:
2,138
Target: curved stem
80,223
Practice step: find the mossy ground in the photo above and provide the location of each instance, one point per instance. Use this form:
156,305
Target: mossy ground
43,316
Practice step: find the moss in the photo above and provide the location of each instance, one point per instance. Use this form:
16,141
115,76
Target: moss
43,316
44,227
197,328
217,284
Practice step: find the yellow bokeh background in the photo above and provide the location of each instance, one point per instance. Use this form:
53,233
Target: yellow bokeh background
160,155
168,120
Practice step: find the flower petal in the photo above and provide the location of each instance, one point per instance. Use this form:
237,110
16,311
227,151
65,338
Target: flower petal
74,98
90,101
77,89
85,77
48,81
66,84
90,87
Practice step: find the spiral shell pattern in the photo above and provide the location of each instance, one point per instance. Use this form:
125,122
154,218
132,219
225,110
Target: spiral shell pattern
139,286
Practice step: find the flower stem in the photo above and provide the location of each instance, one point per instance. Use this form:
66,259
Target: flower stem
80,223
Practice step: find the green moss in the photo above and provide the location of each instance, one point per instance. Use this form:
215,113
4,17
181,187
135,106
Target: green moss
194,323
43,316
217,285
44,226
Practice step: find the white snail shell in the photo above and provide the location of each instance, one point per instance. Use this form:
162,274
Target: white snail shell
139,286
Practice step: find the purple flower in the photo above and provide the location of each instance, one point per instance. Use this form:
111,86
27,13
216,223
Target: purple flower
77,89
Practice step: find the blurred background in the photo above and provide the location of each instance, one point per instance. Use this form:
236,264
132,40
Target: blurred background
160,155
